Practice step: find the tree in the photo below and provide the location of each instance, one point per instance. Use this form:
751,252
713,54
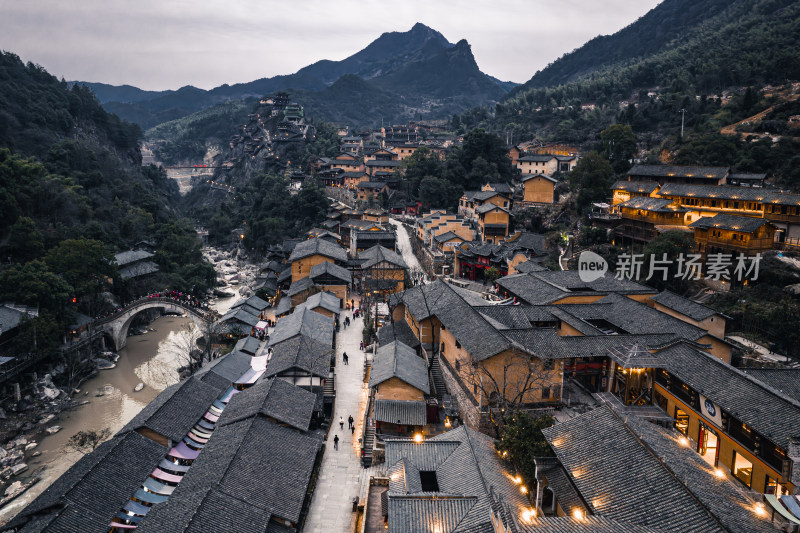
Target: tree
521,441
26,242
85,264
619,146
506,384
183,345
591,180
436,192
667,248
86,441
34,284
491,274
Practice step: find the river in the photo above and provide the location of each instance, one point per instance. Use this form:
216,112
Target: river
150,359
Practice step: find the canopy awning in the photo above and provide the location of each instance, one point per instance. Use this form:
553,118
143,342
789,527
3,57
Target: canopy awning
164,476
182,451
261,325
776,504
792,503
136,507
122,526
249,377
157,486
149,497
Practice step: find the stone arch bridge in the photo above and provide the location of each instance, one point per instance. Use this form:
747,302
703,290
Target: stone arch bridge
116,326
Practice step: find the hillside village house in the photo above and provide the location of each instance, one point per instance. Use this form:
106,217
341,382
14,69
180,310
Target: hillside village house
539,189
371,191
494,222
381,154
378,165
403,150
381,271
731,234
348,163
438,222
312,252
698,192
470,201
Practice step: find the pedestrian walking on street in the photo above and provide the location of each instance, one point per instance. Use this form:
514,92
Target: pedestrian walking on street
341,422
353,430
336,442
345,358
350,421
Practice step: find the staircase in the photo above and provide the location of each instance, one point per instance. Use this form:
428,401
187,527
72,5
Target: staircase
330,386
438,380
369,443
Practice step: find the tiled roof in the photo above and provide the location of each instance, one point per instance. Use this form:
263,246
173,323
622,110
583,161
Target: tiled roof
322,247
645,187
248,345
254,460
587,524
529,177
485,208
131,256
378,254
724,192
204,511
383,163
730,222
300,352
229,368
549,285
769,412
300,285
372,184
273,398
715,173
529,266
656,205
542,158
254,301
241,315
605,459
94,488
444,237
469,475
784,380
138,269
396,360
306,322
179,410
325,300
331,269
684,306
397,331
482,196
412,413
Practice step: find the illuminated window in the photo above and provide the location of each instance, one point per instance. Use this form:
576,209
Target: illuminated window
681,421
742,469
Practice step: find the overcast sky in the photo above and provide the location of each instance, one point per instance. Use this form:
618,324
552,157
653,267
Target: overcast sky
165,44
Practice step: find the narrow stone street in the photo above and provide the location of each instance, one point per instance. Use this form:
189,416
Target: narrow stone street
404,247
341,474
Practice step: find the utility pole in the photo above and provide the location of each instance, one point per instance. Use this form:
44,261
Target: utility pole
683,115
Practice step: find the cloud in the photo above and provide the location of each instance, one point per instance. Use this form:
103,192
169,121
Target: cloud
164,45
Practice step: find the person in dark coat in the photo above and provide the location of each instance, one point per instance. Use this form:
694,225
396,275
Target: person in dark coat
336,442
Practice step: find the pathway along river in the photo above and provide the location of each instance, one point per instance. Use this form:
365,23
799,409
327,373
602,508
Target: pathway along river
148,359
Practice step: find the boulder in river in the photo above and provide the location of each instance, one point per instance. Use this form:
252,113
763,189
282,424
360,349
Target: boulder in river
53,429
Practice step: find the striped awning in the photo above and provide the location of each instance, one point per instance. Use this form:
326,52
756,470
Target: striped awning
182,451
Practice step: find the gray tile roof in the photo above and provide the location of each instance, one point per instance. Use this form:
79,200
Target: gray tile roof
547,286
326,300
645,187
131,256
444,237
240,315
11,317
254,301
529,266
466,466
730,222
306,322
485,208
528,177
204,511
300,285
713,173
587,524
138,269
273,398
684,306
784,380
396,360
647,203
229,368
260,463
397,331
318,247
179,410
542,158
96,487
247,345
607,464
330,269
769,412
404,412
300,352
727,192
378,254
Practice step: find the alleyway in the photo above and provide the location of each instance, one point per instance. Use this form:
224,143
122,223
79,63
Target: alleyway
341,473
404,247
